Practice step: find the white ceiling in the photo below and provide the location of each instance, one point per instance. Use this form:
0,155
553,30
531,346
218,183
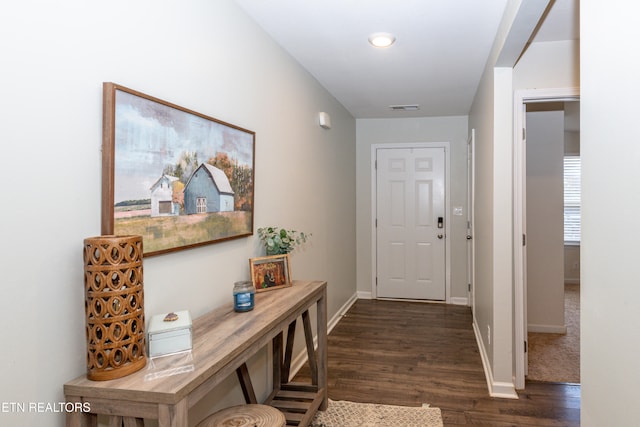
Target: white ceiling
437,61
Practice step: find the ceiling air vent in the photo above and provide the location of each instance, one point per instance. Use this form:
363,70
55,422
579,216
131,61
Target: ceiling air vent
409,107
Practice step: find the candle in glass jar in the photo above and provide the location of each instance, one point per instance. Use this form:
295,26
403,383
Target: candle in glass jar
243,296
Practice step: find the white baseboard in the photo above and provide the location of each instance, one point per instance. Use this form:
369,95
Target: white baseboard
459,300
496,388
365,295
547,329
341,312
298,362
503,390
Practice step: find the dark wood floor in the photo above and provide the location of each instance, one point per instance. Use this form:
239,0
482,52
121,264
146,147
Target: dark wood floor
407,353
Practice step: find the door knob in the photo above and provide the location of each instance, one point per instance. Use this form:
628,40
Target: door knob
440,236
469,237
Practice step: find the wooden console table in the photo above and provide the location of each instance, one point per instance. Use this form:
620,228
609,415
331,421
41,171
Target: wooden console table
223,341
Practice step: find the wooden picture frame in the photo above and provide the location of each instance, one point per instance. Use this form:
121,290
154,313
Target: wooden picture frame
270,272
178,178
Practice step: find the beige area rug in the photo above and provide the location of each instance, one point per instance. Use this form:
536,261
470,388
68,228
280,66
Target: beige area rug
342,413
556,357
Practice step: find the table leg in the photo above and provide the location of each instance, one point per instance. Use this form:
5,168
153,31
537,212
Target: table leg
288,353
79,418
276,363
173,415
133,422
246,385
311,352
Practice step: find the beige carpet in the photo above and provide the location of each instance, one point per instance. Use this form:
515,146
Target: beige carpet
556,357
342,413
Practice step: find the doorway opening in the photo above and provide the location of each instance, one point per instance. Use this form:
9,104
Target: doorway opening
553,241
539,217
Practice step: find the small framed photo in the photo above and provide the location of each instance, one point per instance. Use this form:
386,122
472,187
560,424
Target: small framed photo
270,272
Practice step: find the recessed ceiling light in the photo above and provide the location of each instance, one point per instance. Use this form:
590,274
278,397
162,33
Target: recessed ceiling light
382,39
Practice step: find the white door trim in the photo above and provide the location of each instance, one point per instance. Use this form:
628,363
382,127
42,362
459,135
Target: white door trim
374,192
522,97
471,202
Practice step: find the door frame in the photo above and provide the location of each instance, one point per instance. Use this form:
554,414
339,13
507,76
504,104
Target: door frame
447,198
471,219
522,97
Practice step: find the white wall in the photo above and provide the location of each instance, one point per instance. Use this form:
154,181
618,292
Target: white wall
572,264
545,225
610,293
404,130
481,119
503,227
548,65
492,117
206,56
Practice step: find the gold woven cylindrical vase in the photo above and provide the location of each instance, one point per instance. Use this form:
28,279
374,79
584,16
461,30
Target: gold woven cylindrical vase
114,306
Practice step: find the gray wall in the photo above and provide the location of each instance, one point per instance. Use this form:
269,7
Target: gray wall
392,131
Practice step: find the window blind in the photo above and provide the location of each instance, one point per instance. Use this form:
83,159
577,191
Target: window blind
572,199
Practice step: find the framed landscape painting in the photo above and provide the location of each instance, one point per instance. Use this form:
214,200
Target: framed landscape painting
178,178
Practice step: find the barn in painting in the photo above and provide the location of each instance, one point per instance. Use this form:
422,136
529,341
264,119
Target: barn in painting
162,202
208,190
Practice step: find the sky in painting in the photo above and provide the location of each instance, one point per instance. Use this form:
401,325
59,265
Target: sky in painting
149,136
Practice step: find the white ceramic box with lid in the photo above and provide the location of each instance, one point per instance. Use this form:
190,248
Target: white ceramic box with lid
169,336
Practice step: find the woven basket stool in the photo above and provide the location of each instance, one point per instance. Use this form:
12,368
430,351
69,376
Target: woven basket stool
252,415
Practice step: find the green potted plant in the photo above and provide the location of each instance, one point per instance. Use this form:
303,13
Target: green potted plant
280,240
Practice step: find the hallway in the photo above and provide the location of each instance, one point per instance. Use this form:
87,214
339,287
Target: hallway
407,353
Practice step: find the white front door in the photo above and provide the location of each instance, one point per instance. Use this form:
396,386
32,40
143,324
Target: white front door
410,232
